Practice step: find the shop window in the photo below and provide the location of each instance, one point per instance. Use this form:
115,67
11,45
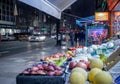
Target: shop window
3,17
8,8
7,18
0,11
4,12
0,5
11,9
8,13
0,17
3,6
12,19
11,13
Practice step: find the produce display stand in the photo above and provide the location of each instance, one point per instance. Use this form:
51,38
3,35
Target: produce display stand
113,59
112,65
39,79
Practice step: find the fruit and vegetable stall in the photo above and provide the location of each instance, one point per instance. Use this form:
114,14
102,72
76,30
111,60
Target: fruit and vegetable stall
96,64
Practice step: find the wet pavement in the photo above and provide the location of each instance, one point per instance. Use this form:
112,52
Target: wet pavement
11,66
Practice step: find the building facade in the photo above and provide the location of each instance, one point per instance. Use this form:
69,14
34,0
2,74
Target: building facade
7,19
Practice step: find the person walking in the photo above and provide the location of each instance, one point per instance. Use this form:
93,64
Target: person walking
0,37
71,37
59,39
80,37
76,38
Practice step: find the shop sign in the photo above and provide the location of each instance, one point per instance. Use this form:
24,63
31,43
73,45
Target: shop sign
101,16
7,26
117,15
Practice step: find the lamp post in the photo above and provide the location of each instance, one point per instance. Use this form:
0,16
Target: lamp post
15,12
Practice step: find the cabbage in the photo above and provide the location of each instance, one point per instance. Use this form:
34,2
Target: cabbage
110,45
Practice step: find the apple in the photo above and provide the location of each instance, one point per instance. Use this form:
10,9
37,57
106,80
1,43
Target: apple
57,68
51,64
34,72
44,65
51,73
34,68
51,68
56,56
72,65
81,65
82,61
40,66
39,71
25,72
58,73
88,64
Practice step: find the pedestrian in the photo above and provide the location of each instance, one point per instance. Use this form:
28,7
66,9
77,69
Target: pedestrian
67,38
71,34
80,37
59,39
0,37
76,37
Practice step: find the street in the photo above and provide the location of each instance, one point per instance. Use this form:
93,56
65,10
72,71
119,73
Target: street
13,47
20,55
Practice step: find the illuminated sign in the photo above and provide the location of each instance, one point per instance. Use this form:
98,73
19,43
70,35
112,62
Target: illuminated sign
101,16
117,15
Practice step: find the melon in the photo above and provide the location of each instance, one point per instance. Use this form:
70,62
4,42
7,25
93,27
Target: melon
103,77
92,73
81,70
76,78
96,63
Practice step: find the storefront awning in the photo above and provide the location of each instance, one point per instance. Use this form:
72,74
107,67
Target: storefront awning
112,4
80,22
51,7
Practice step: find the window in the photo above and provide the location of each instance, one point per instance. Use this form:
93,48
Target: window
0,5
3,17
3,11
3,6
8,13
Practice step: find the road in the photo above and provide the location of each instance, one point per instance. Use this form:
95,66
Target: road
13,47
17,56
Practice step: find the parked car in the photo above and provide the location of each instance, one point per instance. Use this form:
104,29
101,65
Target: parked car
8,38
37,37
53,36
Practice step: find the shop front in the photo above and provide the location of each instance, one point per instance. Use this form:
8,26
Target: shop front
8,29
114,8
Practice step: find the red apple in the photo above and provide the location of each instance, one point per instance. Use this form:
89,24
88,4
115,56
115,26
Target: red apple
51,68
56,56
33,72
82,61
39,71
88,64
51,73
25,72
72,65
51,64
81,65
57,68
40,66
58,73
34,68
45,66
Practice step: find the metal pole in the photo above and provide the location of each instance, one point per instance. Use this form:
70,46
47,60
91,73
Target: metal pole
86,35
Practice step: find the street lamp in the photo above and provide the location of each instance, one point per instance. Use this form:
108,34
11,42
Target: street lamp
15,13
